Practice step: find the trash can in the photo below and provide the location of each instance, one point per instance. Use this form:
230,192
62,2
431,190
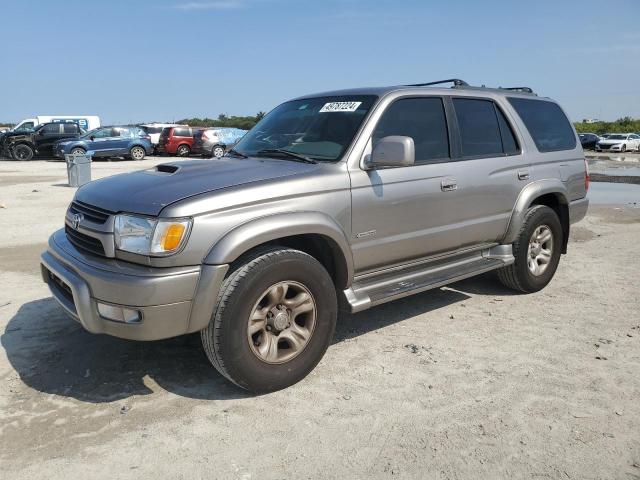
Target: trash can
78,169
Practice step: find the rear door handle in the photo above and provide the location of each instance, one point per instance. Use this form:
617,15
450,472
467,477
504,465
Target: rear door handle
523,175
448,184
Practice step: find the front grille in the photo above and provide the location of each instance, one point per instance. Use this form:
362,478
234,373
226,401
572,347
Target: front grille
84,242
91,213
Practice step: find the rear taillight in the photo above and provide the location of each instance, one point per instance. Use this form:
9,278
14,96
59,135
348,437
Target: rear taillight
587,180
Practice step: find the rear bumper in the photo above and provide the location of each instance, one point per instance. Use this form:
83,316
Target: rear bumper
578,209
169,301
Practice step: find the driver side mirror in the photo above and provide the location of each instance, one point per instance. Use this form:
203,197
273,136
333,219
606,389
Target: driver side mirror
92,138
41,132
393,151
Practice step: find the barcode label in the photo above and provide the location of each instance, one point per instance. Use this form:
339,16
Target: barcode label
340,107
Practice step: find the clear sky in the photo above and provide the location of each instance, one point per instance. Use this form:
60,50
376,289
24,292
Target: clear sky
143,60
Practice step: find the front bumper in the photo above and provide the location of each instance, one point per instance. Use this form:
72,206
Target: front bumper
170,301
609,148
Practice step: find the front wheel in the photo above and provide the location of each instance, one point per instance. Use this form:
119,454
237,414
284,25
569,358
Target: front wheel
218,151
624,148
274,319
137,153
536,250
23,152
78,151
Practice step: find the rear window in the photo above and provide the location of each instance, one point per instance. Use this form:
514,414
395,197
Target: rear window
547,124
181,132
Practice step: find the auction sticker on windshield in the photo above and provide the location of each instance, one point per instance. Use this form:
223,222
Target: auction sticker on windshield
340,107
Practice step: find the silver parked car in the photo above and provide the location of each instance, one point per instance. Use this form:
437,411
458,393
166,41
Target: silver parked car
353,197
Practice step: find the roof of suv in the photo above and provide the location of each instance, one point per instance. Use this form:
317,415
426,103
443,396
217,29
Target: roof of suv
381,91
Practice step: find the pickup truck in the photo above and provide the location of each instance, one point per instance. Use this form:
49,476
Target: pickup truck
25,145
338,200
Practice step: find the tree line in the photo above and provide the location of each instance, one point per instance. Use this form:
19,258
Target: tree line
622,125
245,123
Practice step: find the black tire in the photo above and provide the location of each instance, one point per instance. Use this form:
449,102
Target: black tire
22,152
217,151
518,276
78,151
225,340
624,148
183,151
137,153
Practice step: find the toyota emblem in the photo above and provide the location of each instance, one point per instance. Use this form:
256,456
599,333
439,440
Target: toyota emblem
76,218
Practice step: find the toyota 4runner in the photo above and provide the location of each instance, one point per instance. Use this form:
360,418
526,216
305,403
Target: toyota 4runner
351,198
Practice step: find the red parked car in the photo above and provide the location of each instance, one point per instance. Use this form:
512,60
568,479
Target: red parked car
177,140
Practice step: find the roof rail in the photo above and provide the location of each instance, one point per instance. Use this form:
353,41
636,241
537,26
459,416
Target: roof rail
456,83
518,89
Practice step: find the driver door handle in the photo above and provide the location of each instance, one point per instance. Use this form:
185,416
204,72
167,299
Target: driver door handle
448,184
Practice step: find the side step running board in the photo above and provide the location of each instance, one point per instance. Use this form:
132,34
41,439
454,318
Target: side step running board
368,291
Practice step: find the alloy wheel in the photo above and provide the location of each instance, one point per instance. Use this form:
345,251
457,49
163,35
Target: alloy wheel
281,322
137,153
540,250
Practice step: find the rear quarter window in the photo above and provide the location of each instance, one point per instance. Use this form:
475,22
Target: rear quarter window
181,132
548,125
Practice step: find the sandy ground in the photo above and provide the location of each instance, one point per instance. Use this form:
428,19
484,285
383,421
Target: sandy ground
468,381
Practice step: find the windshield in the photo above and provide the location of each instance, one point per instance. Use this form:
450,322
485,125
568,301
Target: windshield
617,137
319,128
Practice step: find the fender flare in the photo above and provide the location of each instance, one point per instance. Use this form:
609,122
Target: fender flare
265,229
528,194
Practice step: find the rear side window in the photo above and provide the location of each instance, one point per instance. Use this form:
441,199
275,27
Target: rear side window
181,132
70,128
422,119
51,128
479,129
547,124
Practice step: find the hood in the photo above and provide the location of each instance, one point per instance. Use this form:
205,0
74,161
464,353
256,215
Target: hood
147,192
609,141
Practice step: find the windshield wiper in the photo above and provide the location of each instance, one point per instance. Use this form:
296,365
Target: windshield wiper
278,152
236,153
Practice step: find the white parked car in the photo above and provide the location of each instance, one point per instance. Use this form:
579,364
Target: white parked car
619,142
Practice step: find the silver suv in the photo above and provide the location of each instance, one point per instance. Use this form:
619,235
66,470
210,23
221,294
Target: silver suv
352,198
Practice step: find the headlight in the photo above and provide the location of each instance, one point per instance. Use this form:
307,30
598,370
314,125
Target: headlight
150,236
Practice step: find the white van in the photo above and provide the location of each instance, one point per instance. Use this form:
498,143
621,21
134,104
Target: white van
86,122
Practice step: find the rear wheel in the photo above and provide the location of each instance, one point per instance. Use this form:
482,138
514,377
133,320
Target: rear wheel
218,151
23,152
536,250
137,153
274,319
183,151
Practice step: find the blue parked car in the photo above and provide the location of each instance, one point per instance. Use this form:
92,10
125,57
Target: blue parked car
128,142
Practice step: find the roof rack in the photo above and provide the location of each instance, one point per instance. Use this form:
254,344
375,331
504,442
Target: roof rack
517,89
456,83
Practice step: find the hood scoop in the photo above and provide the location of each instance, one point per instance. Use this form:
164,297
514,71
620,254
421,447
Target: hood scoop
167,168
